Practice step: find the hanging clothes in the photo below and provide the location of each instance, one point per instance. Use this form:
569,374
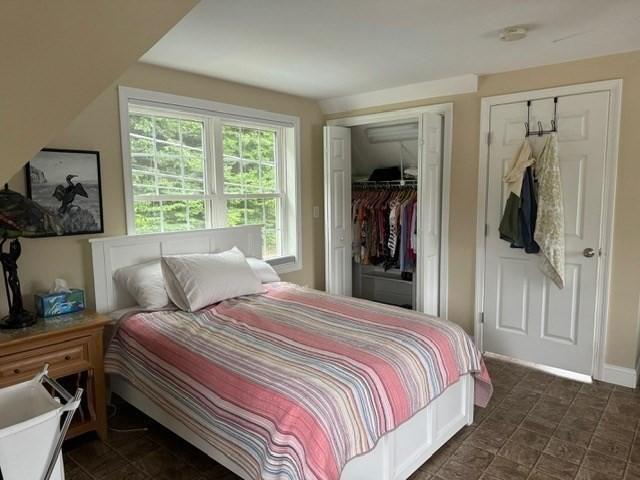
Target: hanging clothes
549,232
383,227
528,212
511,223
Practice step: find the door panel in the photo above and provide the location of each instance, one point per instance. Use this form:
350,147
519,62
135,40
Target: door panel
430,213
337,164
513,295
526,315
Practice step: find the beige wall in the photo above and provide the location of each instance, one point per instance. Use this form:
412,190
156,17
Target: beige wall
624,315
97,128
57,56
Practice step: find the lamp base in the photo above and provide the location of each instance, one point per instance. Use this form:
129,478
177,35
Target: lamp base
19,320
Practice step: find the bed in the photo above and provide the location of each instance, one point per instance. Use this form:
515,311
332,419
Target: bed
331,431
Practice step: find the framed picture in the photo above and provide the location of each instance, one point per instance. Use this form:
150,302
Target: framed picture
67,182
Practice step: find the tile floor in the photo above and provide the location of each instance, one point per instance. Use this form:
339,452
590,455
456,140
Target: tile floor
537,427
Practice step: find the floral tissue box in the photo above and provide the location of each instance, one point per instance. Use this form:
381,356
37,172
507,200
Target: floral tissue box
52,304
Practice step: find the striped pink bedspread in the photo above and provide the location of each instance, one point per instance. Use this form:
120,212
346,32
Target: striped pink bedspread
294,383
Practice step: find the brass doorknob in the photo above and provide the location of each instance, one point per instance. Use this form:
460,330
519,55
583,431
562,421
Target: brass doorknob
589,252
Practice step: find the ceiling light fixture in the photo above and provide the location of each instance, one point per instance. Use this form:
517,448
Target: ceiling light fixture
511,34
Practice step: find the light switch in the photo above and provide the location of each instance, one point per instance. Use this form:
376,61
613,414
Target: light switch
316,211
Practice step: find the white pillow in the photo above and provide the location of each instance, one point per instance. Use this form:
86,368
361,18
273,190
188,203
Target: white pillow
145,284
263,270
201,279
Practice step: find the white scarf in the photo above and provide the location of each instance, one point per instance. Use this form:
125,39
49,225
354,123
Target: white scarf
549,233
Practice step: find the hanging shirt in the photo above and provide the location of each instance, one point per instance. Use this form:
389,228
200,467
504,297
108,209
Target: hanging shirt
510,224
519,164
383,223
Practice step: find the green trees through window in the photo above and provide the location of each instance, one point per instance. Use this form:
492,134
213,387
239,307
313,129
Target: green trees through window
250,171
172,191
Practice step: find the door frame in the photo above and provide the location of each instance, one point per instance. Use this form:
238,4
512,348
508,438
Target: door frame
603,280
446,111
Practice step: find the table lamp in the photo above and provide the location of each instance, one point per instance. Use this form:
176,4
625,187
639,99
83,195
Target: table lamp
20,217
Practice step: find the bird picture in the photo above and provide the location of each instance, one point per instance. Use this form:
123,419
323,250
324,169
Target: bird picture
67,193
67,184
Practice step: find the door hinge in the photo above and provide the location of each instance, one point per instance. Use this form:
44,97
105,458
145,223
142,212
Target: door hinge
488,138
482,317
486,229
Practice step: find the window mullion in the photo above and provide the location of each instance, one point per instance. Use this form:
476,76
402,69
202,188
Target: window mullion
219,217
282,214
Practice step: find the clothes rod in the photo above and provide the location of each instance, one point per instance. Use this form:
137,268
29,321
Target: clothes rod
376,182
386,184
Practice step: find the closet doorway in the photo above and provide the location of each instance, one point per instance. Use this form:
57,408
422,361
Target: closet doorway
522,314
386,180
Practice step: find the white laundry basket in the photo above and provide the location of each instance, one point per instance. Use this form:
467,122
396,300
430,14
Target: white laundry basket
30,433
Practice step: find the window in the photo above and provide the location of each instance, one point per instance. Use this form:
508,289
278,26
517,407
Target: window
189,168
167,172
252,188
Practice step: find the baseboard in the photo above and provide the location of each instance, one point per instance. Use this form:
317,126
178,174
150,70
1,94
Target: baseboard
626,377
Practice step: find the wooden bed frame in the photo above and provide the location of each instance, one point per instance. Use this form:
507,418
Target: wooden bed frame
398,453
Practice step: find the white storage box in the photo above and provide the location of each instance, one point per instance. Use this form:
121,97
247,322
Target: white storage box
30,435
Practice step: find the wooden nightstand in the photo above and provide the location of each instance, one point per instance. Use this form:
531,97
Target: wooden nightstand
72,346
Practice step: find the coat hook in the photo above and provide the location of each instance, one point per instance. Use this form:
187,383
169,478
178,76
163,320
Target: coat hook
553,126
539,128
526,129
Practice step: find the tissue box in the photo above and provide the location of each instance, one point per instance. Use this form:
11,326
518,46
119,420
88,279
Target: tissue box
51,304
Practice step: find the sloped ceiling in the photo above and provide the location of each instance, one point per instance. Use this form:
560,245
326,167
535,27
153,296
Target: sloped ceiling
57,56
367,156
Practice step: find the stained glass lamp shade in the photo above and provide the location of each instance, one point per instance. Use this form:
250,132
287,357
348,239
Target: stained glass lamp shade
19,217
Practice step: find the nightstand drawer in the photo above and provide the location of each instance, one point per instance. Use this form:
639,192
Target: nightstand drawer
62,358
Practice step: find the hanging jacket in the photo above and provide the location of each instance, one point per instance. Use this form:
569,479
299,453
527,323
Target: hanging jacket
549,232
528,212
510,225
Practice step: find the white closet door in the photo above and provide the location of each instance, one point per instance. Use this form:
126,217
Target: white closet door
337,209
429,209
525,315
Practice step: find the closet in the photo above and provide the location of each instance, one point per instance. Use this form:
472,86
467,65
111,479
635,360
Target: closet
383,209
384,201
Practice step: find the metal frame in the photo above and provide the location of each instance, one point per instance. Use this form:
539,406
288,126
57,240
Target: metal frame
72,404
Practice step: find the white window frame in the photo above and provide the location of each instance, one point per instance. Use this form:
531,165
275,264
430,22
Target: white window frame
288,138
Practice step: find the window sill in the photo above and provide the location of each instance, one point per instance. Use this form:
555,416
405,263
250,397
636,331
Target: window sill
285,264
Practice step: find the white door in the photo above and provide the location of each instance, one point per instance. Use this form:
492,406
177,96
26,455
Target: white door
337,209
525,315
430,211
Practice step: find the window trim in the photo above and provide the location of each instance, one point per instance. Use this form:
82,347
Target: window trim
291,256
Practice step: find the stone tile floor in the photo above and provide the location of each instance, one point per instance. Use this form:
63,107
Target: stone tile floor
537,427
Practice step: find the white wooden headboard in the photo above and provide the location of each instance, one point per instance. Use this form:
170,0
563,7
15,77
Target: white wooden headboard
110,254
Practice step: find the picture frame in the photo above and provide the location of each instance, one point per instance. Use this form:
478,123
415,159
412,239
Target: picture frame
68,183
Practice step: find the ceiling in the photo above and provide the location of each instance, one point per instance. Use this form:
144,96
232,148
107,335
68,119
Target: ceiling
329,48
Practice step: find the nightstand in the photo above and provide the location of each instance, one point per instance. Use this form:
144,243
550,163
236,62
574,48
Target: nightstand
72,346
